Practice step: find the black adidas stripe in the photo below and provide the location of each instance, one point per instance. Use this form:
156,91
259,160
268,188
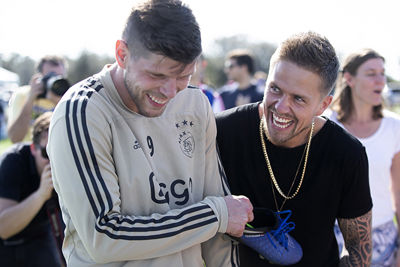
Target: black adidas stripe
157,236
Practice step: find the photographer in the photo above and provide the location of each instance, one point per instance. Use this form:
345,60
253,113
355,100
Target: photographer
42,94
29,211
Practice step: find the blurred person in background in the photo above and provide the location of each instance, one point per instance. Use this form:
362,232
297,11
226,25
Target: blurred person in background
198,80
239,69
358,108
260,78
45,89
31,230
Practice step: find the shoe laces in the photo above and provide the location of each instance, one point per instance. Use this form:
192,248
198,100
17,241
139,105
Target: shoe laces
285,227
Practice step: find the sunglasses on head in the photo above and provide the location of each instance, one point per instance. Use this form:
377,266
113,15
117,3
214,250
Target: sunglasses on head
230,65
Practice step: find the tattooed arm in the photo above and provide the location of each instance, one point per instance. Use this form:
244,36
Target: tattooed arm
395,187
357,238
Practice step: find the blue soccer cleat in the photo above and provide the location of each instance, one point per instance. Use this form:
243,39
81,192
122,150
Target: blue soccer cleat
273,241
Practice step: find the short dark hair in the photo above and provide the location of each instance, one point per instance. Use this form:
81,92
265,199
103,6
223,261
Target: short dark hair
342,101
313,52
164,27
54,60
243,57
41,125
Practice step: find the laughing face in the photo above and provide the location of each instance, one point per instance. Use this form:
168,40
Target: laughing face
152,81
291,101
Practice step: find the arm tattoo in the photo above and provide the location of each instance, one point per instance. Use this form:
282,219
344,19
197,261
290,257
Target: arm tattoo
357,237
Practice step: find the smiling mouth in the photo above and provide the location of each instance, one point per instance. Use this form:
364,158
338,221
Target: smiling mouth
280,121
157,100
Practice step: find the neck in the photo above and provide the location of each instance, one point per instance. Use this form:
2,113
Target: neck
117,76
362,113
305,154
245,82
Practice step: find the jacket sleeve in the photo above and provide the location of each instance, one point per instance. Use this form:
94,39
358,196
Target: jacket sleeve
220,250
80,150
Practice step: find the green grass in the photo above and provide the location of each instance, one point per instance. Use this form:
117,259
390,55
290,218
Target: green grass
396,109
4,144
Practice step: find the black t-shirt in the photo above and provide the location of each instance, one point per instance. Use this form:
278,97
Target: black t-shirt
335,183
249,95
19,179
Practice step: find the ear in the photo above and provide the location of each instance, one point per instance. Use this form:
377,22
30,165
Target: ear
324,104
33,149
348,78
122,53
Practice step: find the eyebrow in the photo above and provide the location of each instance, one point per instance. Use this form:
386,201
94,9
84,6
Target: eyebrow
374,69
159,74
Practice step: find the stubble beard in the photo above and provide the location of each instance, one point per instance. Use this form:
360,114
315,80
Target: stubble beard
275,137
133,91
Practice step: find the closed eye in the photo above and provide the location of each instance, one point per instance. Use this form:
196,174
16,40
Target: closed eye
156,75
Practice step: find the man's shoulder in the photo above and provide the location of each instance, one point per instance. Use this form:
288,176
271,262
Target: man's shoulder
189,94
238,111
239,115
341,140
19,95
22,91
84,89
15,153
190,100
82,99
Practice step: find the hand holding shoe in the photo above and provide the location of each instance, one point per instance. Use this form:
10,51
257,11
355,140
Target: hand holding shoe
240,212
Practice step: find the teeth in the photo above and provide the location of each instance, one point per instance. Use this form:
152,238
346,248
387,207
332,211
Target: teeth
281,122
158,101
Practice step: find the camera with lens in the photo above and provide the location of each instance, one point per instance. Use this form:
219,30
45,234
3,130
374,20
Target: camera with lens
55,83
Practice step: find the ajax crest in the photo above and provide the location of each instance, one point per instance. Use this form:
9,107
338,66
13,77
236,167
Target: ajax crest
187,144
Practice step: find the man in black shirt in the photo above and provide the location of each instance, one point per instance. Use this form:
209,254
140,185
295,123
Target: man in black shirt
26,203
284,156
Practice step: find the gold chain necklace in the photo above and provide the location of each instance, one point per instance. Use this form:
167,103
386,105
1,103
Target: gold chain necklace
291,186
271,173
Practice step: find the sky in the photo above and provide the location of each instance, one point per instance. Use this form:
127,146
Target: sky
40,27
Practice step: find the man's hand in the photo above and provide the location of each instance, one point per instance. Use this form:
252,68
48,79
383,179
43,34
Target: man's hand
46,184
240,212
36,86
397,260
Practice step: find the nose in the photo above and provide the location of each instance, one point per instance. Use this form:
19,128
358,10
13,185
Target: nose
169,89
282,105
381,79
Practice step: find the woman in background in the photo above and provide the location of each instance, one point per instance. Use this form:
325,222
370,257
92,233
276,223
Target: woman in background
358,107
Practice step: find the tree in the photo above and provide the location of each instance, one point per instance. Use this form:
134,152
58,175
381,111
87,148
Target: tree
86,65
23,66
261,51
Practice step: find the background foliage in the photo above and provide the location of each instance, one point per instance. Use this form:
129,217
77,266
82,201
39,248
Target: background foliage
87,63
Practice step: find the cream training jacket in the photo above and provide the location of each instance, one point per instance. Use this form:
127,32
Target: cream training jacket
138,191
